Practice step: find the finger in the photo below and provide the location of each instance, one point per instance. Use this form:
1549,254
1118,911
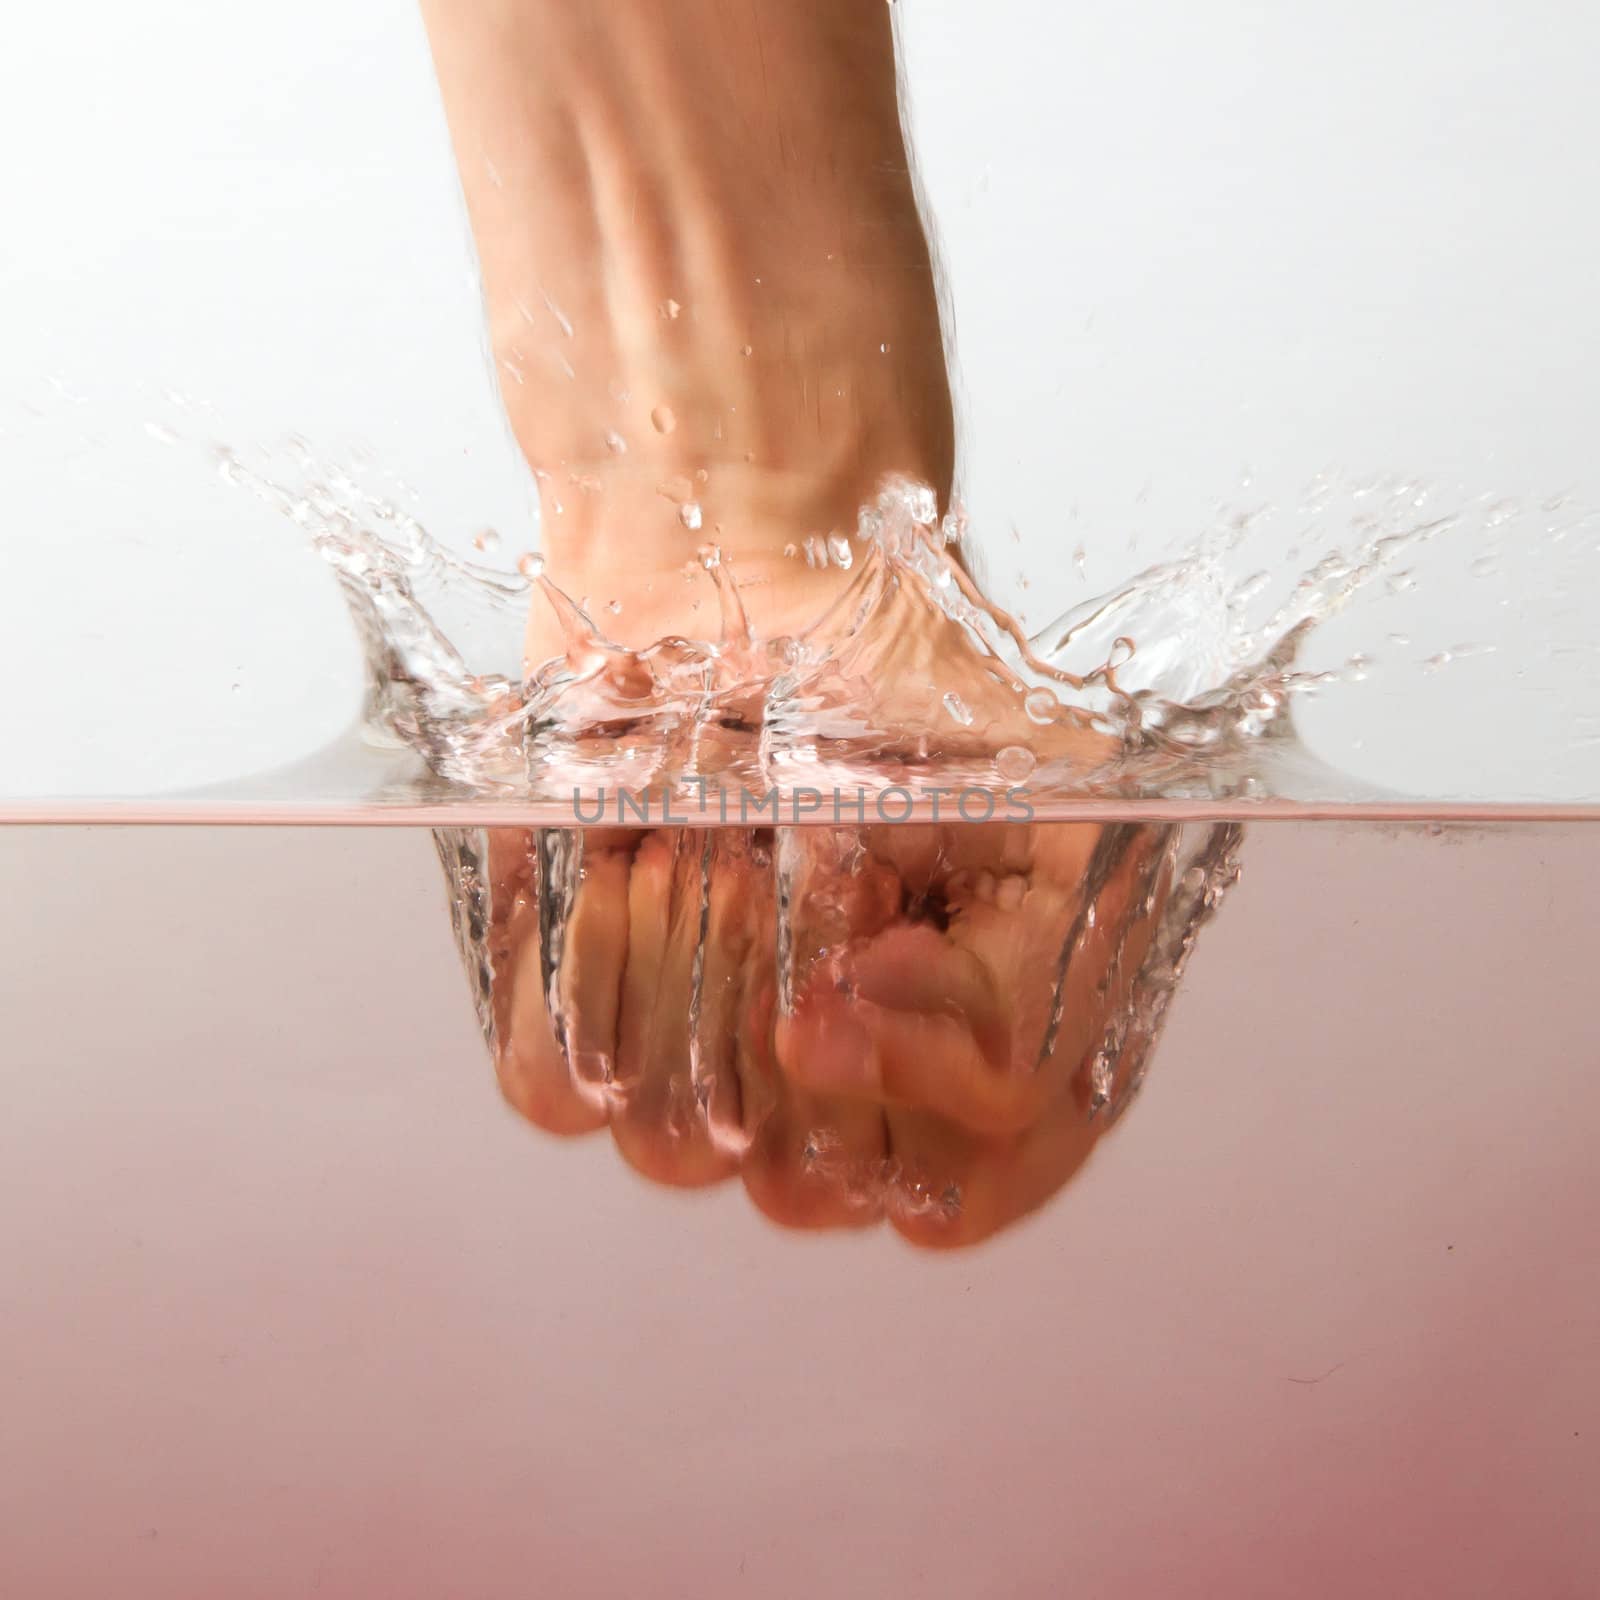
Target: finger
982,1021
912,1022
944,957
529,1064
817,1161
953,1188
811,1160
584,896
735,968
656,1120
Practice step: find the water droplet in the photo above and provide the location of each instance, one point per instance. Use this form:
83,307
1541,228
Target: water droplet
488,539
747,350
563,321
531,566
662,419
614,607
883,349
689,515
839,549
1040,705
670,310
1014,763
956,706
616,444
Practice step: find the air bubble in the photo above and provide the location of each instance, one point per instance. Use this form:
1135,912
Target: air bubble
1014,763
1041,706
689,514
531,566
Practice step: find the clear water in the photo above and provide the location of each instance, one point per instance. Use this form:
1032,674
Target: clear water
1175,689
884,917
863,1023
746,939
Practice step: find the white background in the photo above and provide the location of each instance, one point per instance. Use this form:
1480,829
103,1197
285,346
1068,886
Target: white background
1185,245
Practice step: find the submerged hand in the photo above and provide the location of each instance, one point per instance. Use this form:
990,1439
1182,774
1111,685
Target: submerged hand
917,1041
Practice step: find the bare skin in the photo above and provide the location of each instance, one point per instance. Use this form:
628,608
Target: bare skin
916,1077
707,283
708,286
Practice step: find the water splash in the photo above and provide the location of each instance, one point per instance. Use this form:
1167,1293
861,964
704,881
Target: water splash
1173,684
1004,984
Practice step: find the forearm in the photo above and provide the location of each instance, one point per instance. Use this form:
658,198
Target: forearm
740,161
